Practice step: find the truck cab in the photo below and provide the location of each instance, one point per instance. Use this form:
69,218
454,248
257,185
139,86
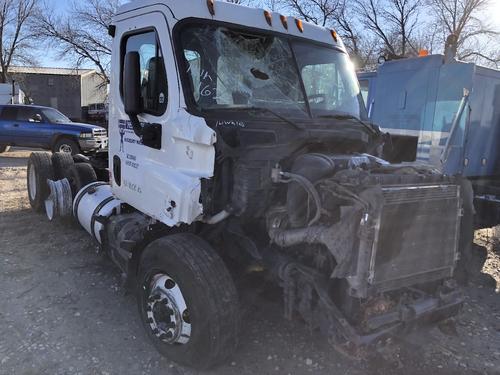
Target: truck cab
202,81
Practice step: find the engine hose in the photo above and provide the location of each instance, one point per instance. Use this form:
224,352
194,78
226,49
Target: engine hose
309,188
341,190
291,237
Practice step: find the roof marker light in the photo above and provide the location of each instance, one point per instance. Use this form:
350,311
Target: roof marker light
269,17
299,24
334,35
284,21
211,7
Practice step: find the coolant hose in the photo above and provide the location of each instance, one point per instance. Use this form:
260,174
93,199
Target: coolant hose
290,237
309,188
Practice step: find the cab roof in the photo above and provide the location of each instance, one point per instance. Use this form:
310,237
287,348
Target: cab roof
235,14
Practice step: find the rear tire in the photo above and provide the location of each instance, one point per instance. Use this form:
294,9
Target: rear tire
67,145
39,171
4,148
80,175
204,283
62,163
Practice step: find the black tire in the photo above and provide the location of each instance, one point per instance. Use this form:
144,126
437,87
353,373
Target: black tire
39,171
67,145
62,163
80,175
209,293
80,158
4,148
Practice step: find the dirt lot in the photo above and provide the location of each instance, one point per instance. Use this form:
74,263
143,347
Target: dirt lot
63,311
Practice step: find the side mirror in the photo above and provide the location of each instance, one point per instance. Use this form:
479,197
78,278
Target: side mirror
37,117
132,84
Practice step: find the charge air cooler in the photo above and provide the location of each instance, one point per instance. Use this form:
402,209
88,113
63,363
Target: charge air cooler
416,236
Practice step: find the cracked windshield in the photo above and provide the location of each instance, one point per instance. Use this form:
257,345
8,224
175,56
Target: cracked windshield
233,69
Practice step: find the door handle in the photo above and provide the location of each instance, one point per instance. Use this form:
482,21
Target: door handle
16,125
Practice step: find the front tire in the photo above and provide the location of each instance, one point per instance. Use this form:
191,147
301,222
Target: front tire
66,145
183,272
39,171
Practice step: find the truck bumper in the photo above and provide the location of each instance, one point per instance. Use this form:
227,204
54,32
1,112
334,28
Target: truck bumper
404,318
93,144
388,316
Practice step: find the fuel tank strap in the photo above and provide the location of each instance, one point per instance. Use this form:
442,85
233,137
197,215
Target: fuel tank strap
95,214
82,193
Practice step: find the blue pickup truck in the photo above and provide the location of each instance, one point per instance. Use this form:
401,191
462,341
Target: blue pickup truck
47,128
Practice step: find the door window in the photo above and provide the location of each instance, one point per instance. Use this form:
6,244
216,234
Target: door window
9,113
29,115
153,75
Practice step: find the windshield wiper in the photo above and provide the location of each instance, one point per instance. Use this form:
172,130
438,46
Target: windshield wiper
349,117
275,114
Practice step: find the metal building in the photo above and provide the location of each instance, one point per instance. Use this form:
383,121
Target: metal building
67,90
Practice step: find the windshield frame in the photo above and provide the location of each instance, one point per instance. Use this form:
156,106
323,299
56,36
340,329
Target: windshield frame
192,106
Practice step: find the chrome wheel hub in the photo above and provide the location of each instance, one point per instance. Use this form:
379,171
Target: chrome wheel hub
166,311
65,148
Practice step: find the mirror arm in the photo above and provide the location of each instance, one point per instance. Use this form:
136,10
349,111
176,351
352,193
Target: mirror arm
136,125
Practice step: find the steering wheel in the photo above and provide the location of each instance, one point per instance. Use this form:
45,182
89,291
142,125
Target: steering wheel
317,98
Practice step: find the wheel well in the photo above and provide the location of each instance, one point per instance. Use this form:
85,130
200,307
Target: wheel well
153,233
57,137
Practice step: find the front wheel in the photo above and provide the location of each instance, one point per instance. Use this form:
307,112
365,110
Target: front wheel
187,301
66,145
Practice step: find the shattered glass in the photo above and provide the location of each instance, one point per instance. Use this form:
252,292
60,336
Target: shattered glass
232,68
236,69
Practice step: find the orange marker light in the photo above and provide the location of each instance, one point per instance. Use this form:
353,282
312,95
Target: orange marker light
423,53
211,7
284,21
334,35
299,24
269,18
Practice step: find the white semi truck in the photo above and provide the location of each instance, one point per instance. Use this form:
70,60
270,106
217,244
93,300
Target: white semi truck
228,154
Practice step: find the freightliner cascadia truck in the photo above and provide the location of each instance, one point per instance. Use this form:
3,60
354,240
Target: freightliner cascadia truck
230,151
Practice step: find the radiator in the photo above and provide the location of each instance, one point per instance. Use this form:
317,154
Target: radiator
416,236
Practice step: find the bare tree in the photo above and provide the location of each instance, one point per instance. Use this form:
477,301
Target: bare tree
319,12
82,34
15,35
394,22
361,47
462,18
338,15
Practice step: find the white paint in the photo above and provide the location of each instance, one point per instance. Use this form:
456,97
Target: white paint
88,202
173,173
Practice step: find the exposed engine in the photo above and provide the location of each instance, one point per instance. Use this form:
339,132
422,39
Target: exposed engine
381,223
354,234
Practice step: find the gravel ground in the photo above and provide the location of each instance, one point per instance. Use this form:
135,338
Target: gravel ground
63,311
